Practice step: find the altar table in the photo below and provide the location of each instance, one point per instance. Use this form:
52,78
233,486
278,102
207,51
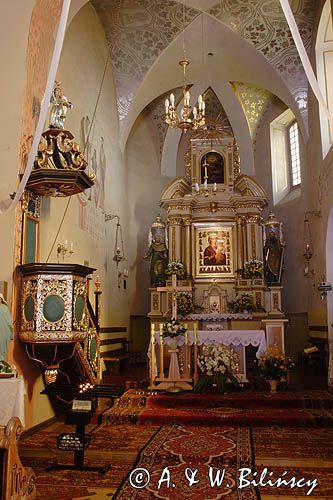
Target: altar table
11,399
238,339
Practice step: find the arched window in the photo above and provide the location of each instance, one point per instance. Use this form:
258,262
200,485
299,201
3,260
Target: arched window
324,59
285,157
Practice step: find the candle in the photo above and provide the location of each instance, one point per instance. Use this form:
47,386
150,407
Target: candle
195,112
197,187
66,243
214,188
71,247
172,100
166,106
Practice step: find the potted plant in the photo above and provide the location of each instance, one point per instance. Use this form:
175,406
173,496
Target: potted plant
274,366
172,329
218,365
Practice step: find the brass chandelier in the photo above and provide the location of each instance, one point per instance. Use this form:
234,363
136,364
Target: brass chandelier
188,119
185,121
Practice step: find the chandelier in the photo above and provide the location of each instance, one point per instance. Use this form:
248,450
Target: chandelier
188,119
185,121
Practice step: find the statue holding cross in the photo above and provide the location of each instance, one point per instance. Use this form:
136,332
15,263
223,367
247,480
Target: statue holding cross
175,290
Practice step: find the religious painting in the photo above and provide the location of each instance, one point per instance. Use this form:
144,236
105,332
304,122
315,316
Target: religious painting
212,168
214,252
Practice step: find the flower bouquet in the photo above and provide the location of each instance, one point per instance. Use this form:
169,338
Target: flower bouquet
7,370
177,268
274,365
243,303
185,304
173,328
218,365
254,268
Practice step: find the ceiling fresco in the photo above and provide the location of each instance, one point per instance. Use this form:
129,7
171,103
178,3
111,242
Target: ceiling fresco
139,30
254,102
262,23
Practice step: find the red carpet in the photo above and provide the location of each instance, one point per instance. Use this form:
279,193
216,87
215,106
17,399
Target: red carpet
304,409
207,450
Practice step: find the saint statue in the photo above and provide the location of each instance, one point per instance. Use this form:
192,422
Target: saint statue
273,251
6,328
60,104
157,253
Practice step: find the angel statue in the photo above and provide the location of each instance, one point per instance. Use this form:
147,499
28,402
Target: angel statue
6,328
60,104
157,252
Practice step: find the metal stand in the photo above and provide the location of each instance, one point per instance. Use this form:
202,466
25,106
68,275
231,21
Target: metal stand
80,419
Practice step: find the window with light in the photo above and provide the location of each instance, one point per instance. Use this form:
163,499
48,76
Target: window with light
295,161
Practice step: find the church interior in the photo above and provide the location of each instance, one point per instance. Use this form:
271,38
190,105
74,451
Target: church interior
166,268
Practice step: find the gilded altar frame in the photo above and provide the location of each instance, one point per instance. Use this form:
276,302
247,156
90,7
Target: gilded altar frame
223,265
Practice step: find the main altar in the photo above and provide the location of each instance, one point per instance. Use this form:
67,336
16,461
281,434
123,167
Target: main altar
215,228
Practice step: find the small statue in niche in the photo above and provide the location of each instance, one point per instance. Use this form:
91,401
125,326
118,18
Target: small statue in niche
273,251
6,328
60,104
157,253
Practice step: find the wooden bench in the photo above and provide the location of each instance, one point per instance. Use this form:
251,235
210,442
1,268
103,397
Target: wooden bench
115,359
16,482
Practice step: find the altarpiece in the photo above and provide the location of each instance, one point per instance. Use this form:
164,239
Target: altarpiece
215,226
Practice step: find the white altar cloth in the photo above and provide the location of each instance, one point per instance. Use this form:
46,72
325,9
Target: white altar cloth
11,399
225,337
217,317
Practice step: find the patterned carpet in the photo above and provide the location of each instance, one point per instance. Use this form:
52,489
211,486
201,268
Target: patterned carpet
304,453
295,435
304,409
185,449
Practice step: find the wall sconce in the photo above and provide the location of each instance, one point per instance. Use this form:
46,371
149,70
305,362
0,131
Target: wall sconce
118,254
308,240
64,249
122,277
323,288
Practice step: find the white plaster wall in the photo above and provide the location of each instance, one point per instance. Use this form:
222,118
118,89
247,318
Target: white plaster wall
13,45
145,185
291,213
80,73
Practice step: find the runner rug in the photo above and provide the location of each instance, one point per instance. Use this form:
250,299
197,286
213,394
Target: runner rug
192,462
238,409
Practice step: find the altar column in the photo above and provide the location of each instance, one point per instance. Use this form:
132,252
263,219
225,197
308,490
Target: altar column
187,224
254,237
244,240
175,238
240,246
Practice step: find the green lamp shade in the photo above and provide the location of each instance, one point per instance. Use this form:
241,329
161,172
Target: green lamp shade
29,309
79,307
92,349
54,308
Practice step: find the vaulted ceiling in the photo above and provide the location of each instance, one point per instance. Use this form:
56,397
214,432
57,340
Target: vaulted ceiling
253,56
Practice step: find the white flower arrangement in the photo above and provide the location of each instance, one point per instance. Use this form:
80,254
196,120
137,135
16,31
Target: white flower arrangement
173,328
219,362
